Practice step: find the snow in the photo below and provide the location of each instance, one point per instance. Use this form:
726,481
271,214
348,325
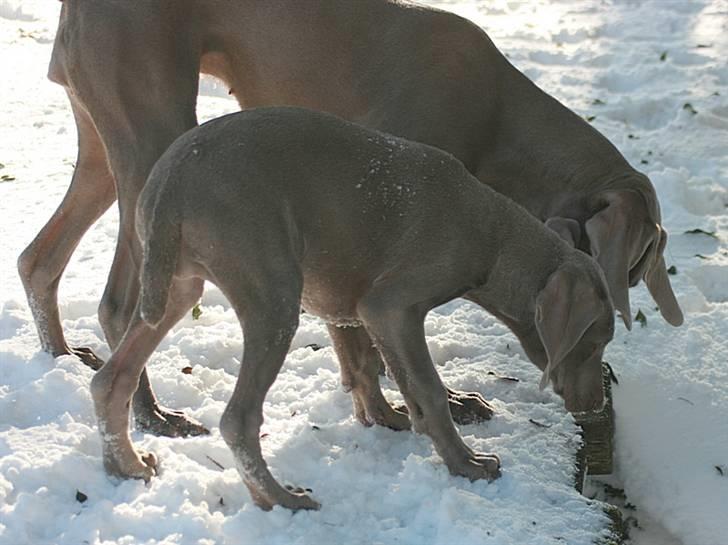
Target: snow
641,68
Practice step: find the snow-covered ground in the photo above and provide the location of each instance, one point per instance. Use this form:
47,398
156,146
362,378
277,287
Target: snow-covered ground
653,73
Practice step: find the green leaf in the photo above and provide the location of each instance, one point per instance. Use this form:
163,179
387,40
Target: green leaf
196,312
672,270
641,318
663,56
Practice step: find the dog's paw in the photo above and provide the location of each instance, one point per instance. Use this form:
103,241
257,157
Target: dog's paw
290,497
161,421
87,357
133,465
468,407
477,466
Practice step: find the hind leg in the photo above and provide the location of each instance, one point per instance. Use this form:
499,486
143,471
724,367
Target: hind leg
115,383
267,303
42,263
149,415
360,363
140,100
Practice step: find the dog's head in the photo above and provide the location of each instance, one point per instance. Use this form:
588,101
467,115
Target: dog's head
574,319
624,235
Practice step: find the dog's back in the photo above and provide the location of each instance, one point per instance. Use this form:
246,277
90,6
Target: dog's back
340,199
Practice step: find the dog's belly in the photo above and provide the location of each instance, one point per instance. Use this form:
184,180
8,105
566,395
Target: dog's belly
332,300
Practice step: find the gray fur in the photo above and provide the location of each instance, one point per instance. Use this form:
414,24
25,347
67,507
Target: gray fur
285,207
131,73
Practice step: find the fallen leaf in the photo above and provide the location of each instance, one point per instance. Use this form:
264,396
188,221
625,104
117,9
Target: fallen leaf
701,232
218,464
641,318
539,424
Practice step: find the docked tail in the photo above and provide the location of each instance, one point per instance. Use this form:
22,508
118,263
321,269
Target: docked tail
161,252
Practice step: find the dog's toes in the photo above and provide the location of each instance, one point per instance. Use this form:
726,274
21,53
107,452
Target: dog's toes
297,498
469,407
299,501
383,414
478,466
491,463
130,464
87,357
168,423
393,419
151,461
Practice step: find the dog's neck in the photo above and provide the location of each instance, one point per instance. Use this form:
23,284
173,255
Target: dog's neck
528,254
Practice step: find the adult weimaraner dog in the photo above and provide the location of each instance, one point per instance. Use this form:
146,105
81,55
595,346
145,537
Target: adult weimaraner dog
287,207
131,73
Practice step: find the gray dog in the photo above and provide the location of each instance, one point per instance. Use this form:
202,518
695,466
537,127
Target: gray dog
285,207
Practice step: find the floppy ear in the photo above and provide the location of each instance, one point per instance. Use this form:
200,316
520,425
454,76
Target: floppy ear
567,228
658,284
565,309
610,232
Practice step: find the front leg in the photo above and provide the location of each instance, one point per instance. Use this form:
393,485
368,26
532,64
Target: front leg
400,337
360,363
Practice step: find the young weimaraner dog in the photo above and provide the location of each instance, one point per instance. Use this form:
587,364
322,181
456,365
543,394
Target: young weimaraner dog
284,208
131,73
